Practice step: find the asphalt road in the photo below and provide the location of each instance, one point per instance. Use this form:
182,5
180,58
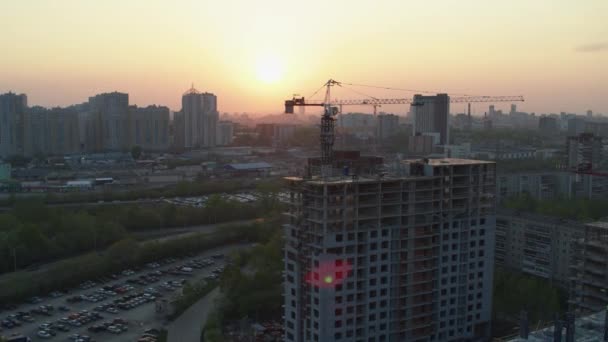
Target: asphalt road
165,234
188,326
140,318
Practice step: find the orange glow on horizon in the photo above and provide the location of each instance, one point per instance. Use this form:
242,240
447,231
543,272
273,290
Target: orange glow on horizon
253,55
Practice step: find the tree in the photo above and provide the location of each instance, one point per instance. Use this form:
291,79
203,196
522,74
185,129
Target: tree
123,252
136,152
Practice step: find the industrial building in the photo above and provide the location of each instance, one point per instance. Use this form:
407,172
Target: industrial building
375,256
538,245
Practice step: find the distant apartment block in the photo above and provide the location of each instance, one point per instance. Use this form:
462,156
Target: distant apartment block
225,133
420,145
590,271
387,126
274,134
576,126
537,245
200,118
52,131
149,127
108,122
585,155
584,151
548,124
12,111
392,257
598,128
539,185
431,115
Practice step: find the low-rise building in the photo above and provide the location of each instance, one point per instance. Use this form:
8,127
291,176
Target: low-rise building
254,169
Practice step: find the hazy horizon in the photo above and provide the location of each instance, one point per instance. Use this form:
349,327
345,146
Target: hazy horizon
255,55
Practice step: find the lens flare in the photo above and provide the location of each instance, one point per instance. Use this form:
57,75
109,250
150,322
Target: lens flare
329,274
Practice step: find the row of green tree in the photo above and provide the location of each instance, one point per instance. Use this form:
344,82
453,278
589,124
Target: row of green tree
120,255
574,209
251,288
181,189
33,232
514,292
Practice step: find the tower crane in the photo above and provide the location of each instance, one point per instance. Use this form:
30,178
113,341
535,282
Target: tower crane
331,108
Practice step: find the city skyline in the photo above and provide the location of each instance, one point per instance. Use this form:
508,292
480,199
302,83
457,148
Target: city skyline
252,55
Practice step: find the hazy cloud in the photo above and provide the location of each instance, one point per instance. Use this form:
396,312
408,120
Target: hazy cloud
598,47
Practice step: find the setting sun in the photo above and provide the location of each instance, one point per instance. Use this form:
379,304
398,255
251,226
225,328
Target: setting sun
269,69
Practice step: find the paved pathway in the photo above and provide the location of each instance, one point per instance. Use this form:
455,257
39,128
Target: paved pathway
188,326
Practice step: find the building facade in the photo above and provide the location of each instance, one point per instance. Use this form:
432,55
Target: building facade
431,115
537,245
548,125
274,134
387,126
149,127
539,185
108,122
200,119
225,132
590,270
392,258
12,112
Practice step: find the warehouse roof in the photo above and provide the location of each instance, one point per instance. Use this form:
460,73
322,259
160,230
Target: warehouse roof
248,166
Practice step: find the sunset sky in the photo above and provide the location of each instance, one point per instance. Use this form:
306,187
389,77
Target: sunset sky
254,54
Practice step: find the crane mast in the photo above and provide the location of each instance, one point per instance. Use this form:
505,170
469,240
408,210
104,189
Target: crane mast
333,108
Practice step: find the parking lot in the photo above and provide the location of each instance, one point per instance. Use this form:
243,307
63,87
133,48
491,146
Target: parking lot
120,308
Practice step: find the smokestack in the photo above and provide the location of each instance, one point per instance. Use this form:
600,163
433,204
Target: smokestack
524,328
557,329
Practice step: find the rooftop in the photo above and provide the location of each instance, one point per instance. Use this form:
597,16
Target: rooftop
599,224
248,166
450,161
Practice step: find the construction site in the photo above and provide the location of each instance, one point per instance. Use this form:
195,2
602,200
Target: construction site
397,253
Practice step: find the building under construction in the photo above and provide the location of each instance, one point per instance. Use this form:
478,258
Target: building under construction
401,255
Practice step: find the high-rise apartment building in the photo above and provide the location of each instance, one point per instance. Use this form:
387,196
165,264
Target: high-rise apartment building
381,257
52,131
225,132
590,270
584,151
431,115
548,124
149,127
12,111
200,119
387,126
108,122
539,245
